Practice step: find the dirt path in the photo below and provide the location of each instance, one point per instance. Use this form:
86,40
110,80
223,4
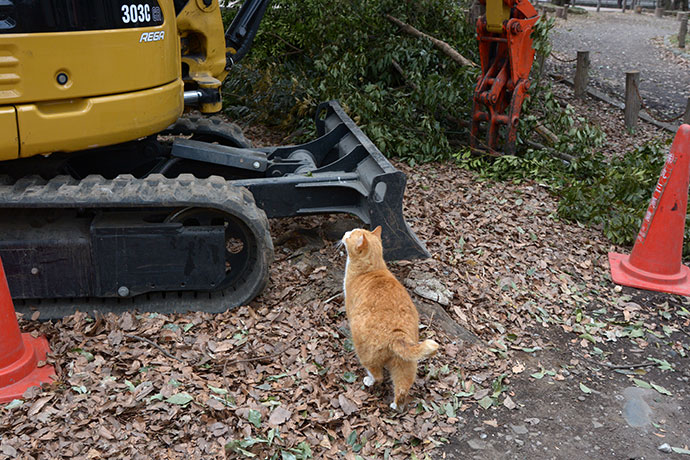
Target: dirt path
621,42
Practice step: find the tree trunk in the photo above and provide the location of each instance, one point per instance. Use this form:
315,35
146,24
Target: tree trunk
659,11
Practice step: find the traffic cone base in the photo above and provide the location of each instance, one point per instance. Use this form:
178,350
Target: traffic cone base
23,373
623,272
656,259
19,353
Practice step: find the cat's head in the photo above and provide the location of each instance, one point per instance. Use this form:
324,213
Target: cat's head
363,244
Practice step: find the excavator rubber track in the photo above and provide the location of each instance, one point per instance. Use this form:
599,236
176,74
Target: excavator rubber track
211,129
156,193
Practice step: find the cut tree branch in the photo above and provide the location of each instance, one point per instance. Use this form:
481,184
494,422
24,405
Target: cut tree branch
440,44
409,83
547,134
554,152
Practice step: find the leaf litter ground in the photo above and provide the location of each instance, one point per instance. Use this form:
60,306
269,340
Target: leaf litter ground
279,377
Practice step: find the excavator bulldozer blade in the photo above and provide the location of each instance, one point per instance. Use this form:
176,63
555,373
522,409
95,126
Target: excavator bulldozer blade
350,176
341,171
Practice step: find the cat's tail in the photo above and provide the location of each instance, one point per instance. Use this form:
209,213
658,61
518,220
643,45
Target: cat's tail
409,351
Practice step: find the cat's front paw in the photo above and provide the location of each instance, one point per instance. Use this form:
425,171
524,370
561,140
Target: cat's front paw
369,380
398,407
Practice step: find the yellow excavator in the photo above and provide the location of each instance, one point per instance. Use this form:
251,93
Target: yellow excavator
112,199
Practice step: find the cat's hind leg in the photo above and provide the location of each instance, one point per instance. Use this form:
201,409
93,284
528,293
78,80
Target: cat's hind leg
402,374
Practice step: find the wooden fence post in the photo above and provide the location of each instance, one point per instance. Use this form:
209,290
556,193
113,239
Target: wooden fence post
581,74
598,5
683,30
632,101
686,118
659,11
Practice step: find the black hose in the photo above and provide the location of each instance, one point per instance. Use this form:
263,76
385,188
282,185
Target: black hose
243,28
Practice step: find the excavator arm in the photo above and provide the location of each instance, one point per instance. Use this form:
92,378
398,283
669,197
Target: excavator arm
241,32
506,53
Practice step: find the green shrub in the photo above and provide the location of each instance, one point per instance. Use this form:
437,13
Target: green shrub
615,196
610,195
310,51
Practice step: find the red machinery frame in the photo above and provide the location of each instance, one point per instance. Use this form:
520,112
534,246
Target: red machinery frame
506,61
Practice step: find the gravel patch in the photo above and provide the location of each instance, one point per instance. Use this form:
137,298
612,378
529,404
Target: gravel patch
620,42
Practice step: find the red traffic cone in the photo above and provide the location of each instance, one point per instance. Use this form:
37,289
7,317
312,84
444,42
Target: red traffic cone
19,353
655,261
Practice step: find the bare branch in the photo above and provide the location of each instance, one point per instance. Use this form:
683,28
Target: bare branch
440,44
154,344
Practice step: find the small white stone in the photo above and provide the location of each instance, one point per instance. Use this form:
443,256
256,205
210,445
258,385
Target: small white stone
368,381
394,406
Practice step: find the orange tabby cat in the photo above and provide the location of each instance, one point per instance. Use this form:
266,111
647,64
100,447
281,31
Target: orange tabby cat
383,320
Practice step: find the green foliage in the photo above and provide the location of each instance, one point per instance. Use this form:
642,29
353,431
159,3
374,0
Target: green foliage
540,35
614,197
610,195
407,96
400,90
532,165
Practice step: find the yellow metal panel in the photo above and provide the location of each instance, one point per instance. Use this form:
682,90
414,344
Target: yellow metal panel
96,62
9,144
203,49
76,124
496,13
9,72
203,41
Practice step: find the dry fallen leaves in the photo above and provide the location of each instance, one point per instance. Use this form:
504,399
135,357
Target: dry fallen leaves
271,377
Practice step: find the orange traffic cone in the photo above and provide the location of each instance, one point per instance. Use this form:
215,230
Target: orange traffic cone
655,261
19,353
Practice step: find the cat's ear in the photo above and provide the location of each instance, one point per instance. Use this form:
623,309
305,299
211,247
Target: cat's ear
361,242
377,231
